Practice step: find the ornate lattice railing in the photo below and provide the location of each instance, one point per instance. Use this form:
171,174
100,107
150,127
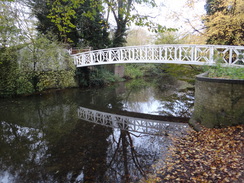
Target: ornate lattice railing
178,54
129,123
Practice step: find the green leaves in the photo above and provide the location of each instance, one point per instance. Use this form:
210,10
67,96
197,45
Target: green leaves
125,13
61,14
79,23
8,70
40,65
8,25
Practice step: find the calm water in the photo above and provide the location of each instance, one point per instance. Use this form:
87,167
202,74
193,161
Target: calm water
95,135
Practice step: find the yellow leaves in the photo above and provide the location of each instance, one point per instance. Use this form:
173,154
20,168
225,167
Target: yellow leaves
225,23
212,155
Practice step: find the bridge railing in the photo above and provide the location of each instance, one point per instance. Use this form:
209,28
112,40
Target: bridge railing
178,54
140,125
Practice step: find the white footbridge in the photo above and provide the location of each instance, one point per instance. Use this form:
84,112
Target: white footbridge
175,54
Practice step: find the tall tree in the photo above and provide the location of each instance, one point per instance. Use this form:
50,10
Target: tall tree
77,20
91,26
79,23
225,22
125,12
61,13
10,33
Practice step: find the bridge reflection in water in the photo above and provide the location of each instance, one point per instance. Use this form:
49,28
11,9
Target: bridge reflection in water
135,144
134,124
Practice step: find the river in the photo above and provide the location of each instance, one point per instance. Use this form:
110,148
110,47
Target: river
111,134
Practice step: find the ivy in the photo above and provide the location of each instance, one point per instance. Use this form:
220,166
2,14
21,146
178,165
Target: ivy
40,65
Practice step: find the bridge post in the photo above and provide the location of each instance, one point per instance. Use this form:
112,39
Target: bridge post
160,54
230,55
180,54
211,55
176,48
195,53
192,52
119,70
91,57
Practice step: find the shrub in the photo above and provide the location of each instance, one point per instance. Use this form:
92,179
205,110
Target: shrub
226,72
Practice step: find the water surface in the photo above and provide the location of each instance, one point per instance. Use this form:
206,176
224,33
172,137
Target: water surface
94,135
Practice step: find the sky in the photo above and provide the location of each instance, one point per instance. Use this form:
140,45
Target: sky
182,12
174,14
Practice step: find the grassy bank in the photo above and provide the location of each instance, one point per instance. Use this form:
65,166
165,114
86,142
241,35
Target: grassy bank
226,72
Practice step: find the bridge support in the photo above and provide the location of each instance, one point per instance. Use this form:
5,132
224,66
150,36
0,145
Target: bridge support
218,102
119,70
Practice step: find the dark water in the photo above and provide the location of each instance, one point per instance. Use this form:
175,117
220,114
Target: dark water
96,135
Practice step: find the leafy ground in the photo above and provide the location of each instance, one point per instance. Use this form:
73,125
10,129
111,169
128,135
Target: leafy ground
211,155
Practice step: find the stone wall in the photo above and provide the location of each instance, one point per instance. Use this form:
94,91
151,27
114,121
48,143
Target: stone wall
218,102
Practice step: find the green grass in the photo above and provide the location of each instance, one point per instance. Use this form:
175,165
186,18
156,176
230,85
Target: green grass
226,72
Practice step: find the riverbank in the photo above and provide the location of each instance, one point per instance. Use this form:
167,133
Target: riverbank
211,155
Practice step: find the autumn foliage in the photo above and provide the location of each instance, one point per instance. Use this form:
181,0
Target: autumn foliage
211,155
224,22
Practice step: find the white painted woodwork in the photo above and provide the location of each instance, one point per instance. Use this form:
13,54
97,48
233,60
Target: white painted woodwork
175,53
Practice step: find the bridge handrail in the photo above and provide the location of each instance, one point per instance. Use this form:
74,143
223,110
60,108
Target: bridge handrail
140,125
168,53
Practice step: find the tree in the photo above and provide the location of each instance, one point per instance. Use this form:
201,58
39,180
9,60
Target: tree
91,26
29,62
168,38
78,23
183,72
61,13
8,70
40,10
225,22
10,33
194,39
82,22
138,36
212,6
13,36
124,13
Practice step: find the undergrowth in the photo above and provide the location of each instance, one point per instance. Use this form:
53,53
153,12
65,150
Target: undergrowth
226,72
